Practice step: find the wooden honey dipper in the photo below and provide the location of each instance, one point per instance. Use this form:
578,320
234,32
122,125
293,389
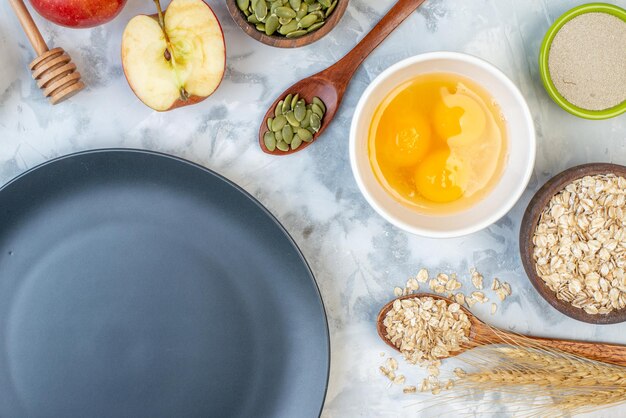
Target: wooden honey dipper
53,70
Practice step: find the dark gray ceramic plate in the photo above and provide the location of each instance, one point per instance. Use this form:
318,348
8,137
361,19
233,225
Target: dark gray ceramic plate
135,284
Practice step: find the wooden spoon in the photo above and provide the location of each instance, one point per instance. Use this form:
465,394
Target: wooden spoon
330,84
482,334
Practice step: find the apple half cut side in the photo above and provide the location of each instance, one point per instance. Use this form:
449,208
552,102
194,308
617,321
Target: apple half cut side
179,64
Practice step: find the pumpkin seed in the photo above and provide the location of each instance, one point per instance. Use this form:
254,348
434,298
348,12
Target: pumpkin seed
302,11
278,123
317,110
271,25
305,135
316,122
270,141
296,34
315,6
330,9
291,118
288,28
307,21
290,18
315,26
279,109
287,133
243,5
307,119
317,101
282,145
295,144
284,21
287,104
300,110
319,14
275,5
294,101
295,122
285,12
260,11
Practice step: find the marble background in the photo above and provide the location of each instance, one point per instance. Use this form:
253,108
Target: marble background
357,257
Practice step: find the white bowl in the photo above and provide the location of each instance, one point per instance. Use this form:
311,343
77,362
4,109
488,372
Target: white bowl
520,134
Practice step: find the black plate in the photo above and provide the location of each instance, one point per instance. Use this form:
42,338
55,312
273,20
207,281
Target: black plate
135,284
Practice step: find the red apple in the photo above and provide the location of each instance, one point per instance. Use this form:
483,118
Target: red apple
176,58
78,13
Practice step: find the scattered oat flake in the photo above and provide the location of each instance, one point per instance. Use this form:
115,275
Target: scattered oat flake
507,288
422,276
397,291
392,363
399,380
412,284
479,297
460,372
409,389
477,279
494,308
495,285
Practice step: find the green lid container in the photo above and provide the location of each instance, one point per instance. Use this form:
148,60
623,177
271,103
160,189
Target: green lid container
545,50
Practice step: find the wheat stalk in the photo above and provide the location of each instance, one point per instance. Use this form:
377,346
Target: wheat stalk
537,380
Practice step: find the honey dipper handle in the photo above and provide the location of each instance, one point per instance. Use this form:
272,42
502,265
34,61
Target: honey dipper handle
28,24
343,69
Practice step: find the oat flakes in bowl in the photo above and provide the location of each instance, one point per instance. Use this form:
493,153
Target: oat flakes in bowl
573,242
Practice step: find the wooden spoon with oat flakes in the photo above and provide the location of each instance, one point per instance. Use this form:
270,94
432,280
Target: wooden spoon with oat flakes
481,334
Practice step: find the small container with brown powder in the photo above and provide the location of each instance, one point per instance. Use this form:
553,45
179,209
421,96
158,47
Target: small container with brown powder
583,61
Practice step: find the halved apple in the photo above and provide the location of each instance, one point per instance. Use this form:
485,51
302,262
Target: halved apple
175,58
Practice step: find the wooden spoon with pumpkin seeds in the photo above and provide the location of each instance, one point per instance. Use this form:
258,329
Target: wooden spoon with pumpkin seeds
330,84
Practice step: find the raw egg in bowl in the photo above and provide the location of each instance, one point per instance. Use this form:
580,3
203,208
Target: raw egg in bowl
442,144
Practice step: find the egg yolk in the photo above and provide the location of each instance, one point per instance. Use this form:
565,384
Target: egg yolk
438,178
436,143
406,141
446,120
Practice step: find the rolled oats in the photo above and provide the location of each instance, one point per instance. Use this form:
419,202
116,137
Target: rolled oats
426,329
580,244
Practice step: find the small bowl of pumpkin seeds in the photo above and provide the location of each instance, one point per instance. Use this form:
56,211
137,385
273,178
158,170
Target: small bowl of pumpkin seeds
287,23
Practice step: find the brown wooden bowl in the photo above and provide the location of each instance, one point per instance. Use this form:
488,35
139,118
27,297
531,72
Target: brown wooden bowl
529,224
279,40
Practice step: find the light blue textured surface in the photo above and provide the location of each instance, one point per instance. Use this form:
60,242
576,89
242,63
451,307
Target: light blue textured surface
357,257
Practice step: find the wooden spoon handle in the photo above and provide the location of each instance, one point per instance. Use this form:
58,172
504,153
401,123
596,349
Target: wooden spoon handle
343,69
29,26
608,353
